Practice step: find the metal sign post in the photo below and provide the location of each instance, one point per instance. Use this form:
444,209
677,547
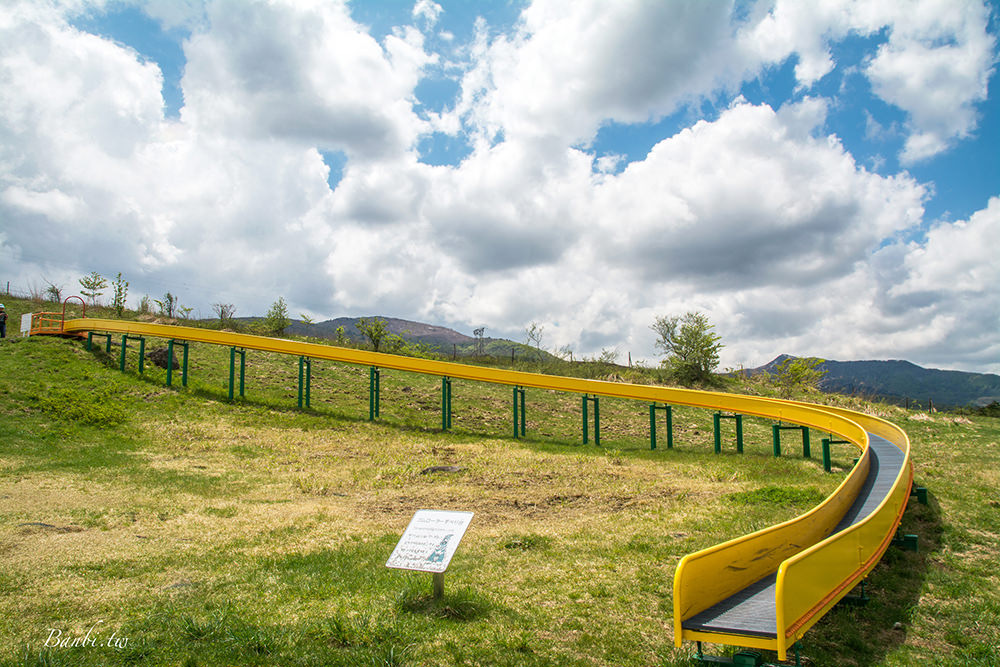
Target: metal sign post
429,543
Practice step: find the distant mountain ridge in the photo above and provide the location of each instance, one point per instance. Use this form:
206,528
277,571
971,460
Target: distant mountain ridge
899,381
444,340
415,332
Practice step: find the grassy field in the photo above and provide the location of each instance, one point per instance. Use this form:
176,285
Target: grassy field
178,528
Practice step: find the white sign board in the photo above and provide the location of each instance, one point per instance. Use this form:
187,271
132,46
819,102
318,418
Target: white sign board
25,324
430,541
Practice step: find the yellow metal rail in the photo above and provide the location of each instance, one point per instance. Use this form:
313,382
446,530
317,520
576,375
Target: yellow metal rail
813,572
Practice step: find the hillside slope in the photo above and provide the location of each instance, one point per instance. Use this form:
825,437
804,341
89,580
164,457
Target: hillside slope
899,381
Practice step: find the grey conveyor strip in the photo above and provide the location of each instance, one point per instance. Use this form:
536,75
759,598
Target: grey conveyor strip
751,610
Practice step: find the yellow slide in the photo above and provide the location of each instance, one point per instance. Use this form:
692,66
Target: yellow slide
762,590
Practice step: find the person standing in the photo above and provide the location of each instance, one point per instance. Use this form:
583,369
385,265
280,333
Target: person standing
3,322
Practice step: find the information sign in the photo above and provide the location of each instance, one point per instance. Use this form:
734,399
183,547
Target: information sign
430,541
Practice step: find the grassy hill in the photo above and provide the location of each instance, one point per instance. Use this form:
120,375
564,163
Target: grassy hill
207,532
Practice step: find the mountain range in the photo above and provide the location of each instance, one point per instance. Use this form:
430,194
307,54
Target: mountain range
903,382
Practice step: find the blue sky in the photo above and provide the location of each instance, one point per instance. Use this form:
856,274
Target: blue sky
794,170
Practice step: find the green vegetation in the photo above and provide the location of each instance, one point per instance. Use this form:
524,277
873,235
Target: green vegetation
207,532
119,289
796,374
692,348
276,320
91,286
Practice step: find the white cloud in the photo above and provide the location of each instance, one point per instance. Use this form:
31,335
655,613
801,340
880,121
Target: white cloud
572,64
427,10
303,72
934,65
757,217
751,199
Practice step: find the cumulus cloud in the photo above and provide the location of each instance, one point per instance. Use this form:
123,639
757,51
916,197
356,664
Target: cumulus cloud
752,199
755,215
573,64
935,66
303,72
934,63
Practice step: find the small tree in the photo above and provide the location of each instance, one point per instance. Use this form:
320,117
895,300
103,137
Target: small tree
168,307
375,330
144,306
53,292
692,348
225,312
480,341
341,337
276,320
119,291
93,286
533,336
800,373
305,318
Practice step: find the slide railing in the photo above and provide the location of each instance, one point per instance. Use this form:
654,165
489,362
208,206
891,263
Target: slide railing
814,567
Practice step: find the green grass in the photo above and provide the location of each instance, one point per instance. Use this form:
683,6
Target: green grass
254,533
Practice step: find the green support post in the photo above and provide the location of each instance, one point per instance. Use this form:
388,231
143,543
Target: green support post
776,430
653,407
305,380
519,416
170,362
121,363
826,442
90,341
232,370
374,391
717,427
597,420
445,403
142,352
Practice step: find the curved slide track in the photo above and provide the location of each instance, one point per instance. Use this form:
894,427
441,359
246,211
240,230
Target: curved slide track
762,590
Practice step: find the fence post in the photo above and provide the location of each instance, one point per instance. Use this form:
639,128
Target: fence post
170,361
305,379
445,403
374,389
232,370
519,417
716,419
